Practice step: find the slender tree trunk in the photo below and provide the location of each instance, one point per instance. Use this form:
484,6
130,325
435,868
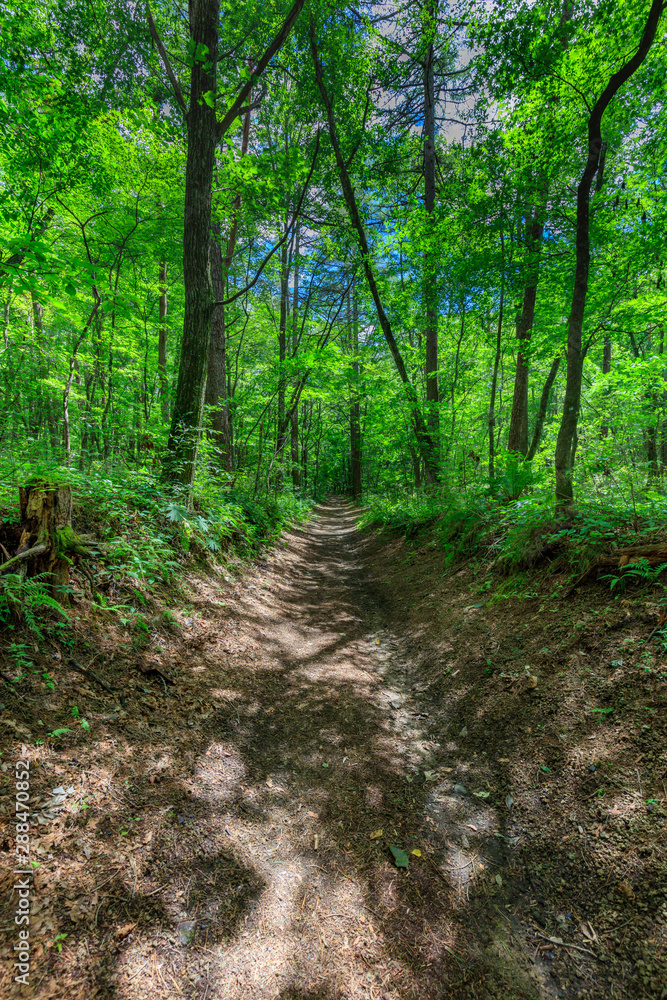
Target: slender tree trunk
259,456
518,432
606,368
281,432
355,405
567,434
318,441
496,363
162,344
202,135
424,439
216,381
43,393
294,420
430,282
542,411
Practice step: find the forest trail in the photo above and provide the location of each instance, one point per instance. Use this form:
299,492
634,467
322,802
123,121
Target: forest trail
320,763
224,830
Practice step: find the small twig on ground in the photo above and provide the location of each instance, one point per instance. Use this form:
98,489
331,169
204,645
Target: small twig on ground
106,882
75,665
564,944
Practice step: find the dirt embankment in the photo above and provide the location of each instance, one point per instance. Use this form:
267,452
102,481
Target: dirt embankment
239,825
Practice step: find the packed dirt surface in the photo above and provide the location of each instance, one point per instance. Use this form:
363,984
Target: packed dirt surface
353,775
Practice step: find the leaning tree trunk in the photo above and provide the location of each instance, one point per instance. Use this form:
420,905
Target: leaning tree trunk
425,441
567,435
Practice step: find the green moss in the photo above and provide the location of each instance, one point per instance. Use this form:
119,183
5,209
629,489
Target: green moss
68,543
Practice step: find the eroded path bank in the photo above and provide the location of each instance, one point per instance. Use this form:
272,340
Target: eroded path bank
225,832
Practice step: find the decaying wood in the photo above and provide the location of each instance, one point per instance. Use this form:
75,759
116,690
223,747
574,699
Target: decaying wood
36,550
46,515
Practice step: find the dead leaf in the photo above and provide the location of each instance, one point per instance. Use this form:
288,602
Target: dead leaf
122,932
626,890
376,835
588,931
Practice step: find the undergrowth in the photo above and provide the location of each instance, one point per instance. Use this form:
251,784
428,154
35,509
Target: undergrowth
512,536
139,536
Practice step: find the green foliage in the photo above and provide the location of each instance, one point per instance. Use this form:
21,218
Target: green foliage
638,572
519,535
24,599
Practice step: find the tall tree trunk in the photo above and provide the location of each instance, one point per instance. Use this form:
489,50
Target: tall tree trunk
355,405
202,136
281,432
204,132
518,432
606,368
259,456
44,398
216,381
430,282
567,434
496,363
425,441
294,420
162,344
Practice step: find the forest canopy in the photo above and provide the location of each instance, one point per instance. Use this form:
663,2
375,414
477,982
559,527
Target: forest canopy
365,248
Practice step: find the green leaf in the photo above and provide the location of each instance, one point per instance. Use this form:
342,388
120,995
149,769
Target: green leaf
209,97
400,856
85,724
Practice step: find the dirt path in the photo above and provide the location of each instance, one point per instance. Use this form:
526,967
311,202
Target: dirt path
318,765
228,836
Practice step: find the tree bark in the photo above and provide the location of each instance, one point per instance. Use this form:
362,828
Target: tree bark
496,363
518,432
216,380
542,411
567,434
203,134
294,420
430,283
162,344
281,433
355,405
46,524
202,137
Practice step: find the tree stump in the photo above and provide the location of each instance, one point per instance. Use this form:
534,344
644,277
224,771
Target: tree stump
46,520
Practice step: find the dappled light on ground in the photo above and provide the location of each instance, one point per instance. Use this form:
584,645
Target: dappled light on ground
246,851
